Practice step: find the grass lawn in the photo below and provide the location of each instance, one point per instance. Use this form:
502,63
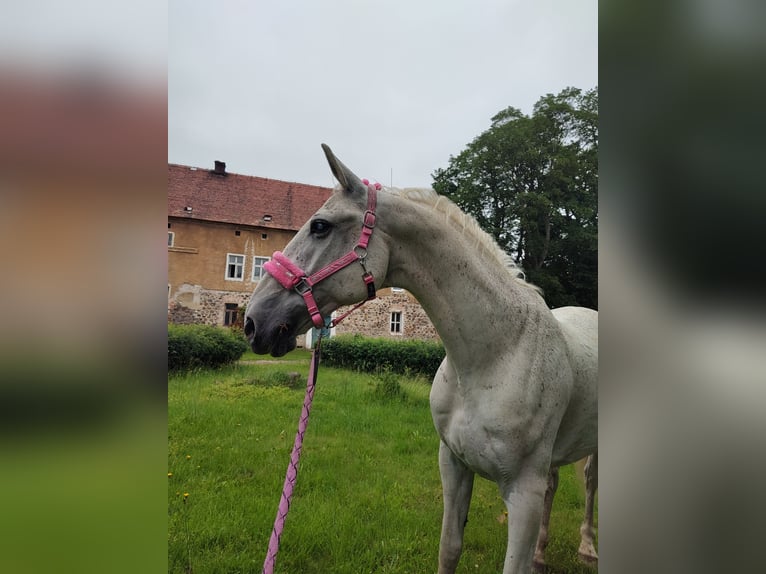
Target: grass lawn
368,496
294,355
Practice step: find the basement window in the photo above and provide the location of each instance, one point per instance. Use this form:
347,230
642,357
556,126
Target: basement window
235,266
230,314
396,322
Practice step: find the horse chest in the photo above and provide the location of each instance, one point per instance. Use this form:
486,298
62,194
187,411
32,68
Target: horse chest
487,432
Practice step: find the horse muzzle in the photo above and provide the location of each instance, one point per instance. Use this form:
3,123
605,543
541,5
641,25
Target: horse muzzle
277,340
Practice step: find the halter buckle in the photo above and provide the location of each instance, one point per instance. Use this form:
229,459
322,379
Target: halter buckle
369,219
302,287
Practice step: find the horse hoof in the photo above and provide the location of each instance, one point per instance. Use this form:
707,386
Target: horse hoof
588,558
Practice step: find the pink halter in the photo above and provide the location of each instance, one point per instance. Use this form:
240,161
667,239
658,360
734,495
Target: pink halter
290,276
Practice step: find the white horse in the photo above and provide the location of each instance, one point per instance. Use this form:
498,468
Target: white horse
516,395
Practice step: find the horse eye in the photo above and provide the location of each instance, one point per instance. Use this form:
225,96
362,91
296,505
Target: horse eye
320,227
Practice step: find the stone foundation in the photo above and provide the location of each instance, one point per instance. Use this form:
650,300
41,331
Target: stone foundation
373,319
194,304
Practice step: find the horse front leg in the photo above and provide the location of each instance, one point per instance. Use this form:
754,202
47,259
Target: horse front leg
542,536
457,487
587,551
524,497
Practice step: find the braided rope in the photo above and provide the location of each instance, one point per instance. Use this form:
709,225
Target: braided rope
291,476
292,468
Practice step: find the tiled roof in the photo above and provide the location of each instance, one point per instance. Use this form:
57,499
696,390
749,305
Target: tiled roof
241,199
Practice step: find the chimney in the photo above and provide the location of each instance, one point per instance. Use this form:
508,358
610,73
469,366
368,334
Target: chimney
220,168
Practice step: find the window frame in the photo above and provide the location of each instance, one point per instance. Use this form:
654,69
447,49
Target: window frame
264,259
227,311
171,238
396,324
226,270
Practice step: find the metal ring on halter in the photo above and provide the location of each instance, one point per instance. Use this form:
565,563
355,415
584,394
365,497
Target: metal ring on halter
363,255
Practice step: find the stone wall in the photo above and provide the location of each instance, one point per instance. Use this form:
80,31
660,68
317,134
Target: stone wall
194,304
373,319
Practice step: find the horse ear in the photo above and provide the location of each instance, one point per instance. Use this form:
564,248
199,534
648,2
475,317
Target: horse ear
350,182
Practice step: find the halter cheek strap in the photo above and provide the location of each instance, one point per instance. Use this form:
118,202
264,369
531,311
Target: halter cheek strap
290,276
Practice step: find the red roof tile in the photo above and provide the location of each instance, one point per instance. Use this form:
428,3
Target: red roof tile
241,199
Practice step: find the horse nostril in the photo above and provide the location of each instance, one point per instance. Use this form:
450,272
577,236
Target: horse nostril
249,327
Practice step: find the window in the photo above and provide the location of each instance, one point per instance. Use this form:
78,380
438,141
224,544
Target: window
258,272
230,314
171,238
396,322
235,265
237,232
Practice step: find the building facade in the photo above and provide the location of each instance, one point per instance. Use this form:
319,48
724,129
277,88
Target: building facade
222,228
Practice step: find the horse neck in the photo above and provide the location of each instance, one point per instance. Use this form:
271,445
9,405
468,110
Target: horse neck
476,305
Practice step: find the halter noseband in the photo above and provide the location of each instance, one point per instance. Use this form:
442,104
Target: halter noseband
290,276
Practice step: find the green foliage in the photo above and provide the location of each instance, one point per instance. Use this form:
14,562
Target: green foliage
388,386
196,346
412,357
532,183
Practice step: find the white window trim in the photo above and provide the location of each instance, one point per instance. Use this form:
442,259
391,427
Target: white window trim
391,322
255,267
172,237
226,269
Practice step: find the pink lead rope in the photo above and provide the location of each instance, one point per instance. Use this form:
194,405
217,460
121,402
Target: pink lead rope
290,276
292,467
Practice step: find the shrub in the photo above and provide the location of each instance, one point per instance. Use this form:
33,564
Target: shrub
203,346
388,387
367,354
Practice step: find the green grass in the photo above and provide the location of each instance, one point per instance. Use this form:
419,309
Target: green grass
368,497
294,355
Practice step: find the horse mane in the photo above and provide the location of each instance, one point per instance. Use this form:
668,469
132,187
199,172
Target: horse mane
467,225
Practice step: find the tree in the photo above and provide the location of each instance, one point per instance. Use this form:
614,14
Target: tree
532,182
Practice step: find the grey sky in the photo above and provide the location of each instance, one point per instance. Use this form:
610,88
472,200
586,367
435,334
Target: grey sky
394,85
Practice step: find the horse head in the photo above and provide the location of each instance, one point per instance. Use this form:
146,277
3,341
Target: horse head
335,259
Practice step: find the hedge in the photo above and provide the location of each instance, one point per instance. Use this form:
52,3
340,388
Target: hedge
368,354
203,346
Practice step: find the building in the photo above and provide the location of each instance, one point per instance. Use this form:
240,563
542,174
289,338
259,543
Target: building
222,228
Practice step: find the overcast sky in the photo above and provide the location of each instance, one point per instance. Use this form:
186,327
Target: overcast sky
394,87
